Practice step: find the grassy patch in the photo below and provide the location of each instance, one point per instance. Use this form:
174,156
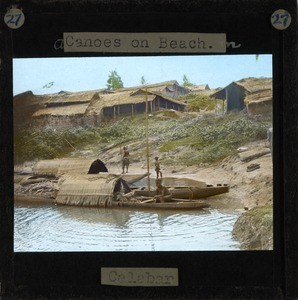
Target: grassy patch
263,215
198,102
194,140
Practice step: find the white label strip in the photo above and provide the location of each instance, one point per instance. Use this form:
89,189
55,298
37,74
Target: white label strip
168,42
139,276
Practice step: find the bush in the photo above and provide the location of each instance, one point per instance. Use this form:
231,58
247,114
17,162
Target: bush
194,140
199,102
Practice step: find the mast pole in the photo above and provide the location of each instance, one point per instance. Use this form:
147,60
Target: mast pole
147,141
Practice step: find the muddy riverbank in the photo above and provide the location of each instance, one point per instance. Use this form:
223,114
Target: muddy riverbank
249,175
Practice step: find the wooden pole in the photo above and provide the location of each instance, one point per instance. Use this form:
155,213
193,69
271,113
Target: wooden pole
147,142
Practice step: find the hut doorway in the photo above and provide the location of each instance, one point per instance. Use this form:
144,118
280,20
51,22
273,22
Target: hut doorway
97,166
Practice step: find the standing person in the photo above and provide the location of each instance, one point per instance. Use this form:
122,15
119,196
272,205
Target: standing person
162,193
157,168
125,160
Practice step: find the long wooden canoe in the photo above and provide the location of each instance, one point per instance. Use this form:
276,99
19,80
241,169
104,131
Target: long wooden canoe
132,178
189,192
166,205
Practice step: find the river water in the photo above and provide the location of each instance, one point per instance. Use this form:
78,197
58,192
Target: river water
41,228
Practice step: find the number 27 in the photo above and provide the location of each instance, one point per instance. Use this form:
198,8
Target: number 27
13,19
280,19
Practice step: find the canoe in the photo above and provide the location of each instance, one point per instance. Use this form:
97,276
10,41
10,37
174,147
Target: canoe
132,178
198,192
191,205
189,192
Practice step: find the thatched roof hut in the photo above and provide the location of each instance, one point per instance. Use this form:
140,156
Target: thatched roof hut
66,103
89,108
239,93
91,190
57,167
130,102
169,88
74,166
198,89
24,105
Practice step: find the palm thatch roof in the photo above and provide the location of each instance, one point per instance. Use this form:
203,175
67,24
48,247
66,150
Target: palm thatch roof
66,103
93,102
71,98
24,105
155,86
166,88
80,165
253,85
69,110
57,167
90,190
249,86
262,95
199,88
125,97
109,100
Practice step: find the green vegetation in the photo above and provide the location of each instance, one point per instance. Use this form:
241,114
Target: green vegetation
262,215
198,102
254,228
189,139
114,81
186,81
143,81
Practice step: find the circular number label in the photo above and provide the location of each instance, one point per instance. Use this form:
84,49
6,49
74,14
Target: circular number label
281,19
14,18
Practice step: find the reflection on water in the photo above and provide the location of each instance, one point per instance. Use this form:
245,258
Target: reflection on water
65,228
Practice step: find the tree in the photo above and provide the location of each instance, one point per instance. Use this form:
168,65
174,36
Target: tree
186,81
143,81
114,81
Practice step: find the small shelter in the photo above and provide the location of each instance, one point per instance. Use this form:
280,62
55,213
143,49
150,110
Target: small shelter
134,102
24,106
170,89
66,109
198,89
89,108
91,190
60,166
236,93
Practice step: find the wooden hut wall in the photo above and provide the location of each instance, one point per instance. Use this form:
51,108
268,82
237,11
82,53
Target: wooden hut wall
140,107
179,91
66,121
126,109
166,104
261,107
108,111
235,97
176,91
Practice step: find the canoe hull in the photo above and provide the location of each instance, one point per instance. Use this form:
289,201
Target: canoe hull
189,192
195,205
197,193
